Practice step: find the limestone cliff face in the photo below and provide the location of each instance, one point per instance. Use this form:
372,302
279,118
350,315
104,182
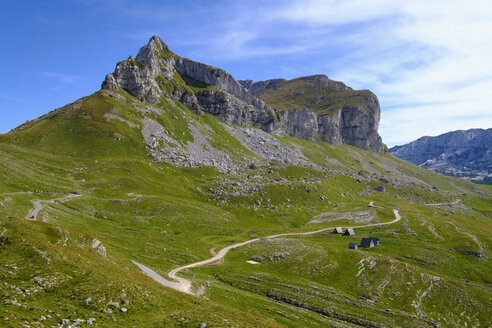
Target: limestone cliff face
360,125
317,108
157,72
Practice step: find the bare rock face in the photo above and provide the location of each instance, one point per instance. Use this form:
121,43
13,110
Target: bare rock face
463,154
138,76
219,79
359,125
157,72
230,110
229,101
257,87
136,80
324,110
299,123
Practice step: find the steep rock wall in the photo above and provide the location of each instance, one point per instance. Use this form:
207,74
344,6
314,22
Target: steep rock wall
355,123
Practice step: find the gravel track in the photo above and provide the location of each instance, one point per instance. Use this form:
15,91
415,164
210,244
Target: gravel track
184,285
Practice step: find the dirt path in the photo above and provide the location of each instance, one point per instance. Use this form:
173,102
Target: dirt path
481,248
371,204
184,285
160,279
444,204
38,205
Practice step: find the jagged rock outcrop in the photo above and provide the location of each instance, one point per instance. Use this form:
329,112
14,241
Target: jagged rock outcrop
155,62
360,125
462,153
139,76
219,79
157,72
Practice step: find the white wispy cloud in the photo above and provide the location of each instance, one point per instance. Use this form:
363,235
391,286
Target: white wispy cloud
429,62
62,78
333,12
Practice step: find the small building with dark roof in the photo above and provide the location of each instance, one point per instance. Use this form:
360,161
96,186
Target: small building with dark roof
353,245
338,230
349,232
375,241
367,243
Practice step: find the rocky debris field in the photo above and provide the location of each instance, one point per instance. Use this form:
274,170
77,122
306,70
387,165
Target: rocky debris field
164,147
269,148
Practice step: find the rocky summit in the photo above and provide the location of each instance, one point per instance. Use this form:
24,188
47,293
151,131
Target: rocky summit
316,109
463,153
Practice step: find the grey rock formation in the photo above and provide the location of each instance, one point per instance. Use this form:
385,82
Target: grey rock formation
219,79
257,87
154,72
98,246
356,125
230,102
268,147
138,76
360,125
231,110
463,153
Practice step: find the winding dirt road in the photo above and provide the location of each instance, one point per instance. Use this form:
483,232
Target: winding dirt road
38,205
184,285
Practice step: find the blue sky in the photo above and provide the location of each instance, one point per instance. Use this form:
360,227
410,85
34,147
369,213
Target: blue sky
428,62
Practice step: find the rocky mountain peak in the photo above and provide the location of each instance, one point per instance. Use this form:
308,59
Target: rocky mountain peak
157,73
157,43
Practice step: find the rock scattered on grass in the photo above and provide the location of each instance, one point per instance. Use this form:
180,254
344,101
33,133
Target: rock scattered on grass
97,245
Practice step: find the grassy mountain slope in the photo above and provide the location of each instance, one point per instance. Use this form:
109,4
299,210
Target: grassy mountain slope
431,268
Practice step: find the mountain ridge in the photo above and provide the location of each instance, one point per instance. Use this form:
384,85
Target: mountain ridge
157,71
461,153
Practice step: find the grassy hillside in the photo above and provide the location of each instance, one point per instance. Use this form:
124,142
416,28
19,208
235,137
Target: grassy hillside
432,267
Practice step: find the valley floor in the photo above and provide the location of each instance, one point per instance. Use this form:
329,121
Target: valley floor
185,285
